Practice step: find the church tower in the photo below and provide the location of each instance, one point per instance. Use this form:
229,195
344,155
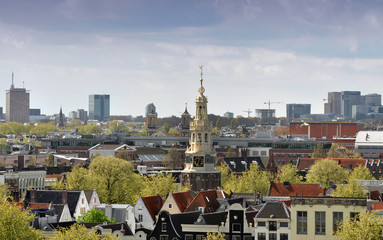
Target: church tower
185,124
151,123
200,170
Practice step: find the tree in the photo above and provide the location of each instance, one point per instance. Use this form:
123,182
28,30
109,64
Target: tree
166,127
288,173
89,129
50,161
233,123
215,132
367,226
31,162
158,184
3,141
77,231
333,153
173,159
116,126
42,129
4,192
174,132
231,152
326,170
123,154
14,223
94,216
218,123
318,151
282,131
214,236
350,190
360,173
79,179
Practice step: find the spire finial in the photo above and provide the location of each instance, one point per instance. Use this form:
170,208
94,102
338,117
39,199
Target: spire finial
200,67
186,106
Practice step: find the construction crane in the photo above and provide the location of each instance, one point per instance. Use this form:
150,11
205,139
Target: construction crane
269,103
248,112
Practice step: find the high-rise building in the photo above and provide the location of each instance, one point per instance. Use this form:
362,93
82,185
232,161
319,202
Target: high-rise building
228,115
99,107
264,113
200,170
17,104
294,110
348,99
150,109
373,99
333,104
82,115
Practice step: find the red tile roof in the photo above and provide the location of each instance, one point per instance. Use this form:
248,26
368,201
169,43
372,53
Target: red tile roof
183,199
153,204
377,206
222,194
296,189
206,199
350,163
375,195
33,205
57,176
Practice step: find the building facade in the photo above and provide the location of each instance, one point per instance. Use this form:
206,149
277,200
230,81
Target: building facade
99,107
294,110
17,104
200,171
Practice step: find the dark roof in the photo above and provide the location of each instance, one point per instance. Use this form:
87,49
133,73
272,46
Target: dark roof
183,218
206,199
118,227
241,164
295,189
274,210
214,218
59,225
58,210
153,204
375,195
183,199
250,217
88,195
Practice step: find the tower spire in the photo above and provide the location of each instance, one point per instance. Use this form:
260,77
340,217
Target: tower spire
200,67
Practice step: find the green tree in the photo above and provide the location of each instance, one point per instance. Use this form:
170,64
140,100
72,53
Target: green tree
166,127
158,184
174,132
350,190
231,152
319,152
123,154
333,153
79,179
288,173
233,123
173,159
14,223
326,170
31,162
360,173
94,216
3,141
367,226
215,236
215,132
42,129
4,192
90,128
77,231
50,161
116,126
218,123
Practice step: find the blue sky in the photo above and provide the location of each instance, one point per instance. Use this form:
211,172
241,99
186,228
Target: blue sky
142,51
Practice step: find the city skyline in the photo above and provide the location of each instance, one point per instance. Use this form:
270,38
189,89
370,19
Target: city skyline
142,51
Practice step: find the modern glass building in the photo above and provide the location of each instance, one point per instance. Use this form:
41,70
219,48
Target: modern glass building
99,107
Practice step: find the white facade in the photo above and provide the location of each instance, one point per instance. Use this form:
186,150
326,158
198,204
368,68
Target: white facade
143,216
82,205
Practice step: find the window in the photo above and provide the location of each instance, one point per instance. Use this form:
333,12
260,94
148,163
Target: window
247,237
188,237
199,237
354,215
302,222
140,217
337,218
236,237
263,153
170,205
261,236
82,210
164,237
320,223
284,224
94,200
82,200
284,236
272,226
272,236
261,224
163,227
236,227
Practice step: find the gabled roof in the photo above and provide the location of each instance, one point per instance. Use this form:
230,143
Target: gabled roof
206,199
153,204
350,163
214,218
274,210
88,195
118,227
183,218
38,206
295,189
375,195
250,217
183,199
58,210
376,206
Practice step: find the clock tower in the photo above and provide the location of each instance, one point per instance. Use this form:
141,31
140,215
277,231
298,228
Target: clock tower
200,170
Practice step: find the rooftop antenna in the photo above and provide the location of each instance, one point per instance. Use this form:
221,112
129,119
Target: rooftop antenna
12,86
23,84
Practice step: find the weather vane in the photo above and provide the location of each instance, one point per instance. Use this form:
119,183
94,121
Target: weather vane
200,67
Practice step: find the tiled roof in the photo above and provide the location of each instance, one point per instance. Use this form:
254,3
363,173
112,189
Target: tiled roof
118,227
88,195
349,163
183,218
295,189
58,209
57,176
214,218
274,210
38,205
250,217
222,194
183,199
153,204
375,195
377,206
206,199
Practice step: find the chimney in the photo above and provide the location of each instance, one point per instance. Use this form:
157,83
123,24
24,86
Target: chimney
20,162
64,195
16,196
286,184
33,195
108,211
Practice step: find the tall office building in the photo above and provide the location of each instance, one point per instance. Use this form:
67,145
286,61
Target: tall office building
294,110
17,104
348,99
99,107
373,99
333,104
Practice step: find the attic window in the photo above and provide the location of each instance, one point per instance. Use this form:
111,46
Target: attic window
207,199
170,205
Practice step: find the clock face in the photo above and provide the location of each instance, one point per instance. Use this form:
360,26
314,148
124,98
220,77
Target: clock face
198,161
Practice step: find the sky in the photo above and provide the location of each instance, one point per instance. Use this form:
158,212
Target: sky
149,51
